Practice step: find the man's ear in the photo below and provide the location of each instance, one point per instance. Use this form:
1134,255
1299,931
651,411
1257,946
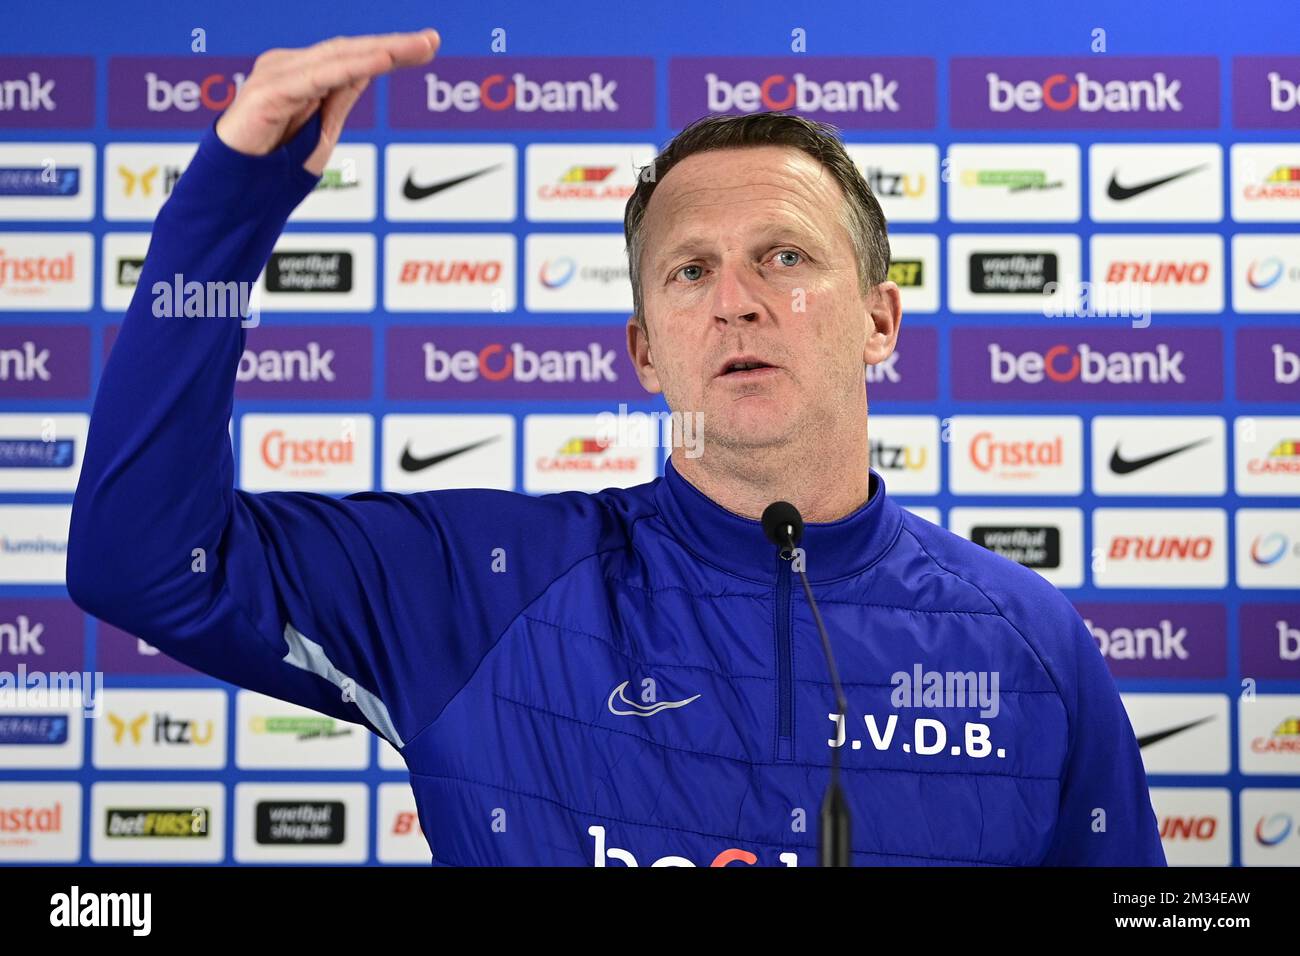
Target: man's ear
638,347
885,315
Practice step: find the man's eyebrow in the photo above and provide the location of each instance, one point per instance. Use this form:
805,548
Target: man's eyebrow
769,232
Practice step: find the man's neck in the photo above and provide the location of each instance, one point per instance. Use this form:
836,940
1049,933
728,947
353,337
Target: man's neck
825,484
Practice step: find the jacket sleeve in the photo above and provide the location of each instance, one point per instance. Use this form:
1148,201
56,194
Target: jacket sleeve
374,608
1105,816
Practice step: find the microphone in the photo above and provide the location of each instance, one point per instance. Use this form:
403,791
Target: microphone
783,526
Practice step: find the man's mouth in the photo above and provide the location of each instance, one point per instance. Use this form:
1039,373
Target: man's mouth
745,367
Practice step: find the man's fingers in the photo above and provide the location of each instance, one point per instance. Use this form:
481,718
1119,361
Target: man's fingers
403,49
317,80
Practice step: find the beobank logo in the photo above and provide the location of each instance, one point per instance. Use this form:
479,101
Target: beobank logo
509,362
186,92
723,858
479,92
1103,365
1265,92
889,92
1172,92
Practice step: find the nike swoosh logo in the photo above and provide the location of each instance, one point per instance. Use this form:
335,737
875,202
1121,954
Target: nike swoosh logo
411,463
1119,193
642,710
412,191
1126,466
1160,735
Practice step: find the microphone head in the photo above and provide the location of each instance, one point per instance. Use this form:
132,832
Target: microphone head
783,524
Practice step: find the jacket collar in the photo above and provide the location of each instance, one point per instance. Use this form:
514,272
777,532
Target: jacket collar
737,545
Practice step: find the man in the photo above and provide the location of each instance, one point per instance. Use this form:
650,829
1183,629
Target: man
629,677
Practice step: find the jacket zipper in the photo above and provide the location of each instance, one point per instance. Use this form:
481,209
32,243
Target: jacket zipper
784,664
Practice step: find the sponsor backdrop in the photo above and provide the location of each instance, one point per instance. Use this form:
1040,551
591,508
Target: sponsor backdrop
1098,372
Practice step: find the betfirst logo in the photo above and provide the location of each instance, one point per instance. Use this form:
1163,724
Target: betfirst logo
725,857
1063,92
498,362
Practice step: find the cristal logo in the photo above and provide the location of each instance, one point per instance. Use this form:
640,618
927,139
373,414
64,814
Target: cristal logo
1064,363
279,450
500,93
1062,93
729,855
988,453
497,362
214,92
870,94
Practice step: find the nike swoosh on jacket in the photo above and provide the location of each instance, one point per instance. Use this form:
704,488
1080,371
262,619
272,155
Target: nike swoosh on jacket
480,632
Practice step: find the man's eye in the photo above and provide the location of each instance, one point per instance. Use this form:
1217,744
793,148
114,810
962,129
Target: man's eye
683,269
790,252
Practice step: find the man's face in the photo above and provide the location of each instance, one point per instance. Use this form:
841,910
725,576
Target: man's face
746,260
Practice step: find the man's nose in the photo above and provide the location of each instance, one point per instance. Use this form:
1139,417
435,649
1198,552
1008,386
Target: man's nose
735,294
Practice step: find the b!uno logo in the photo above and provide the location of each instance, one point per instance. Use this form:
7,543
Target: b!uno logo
1079,92
450,272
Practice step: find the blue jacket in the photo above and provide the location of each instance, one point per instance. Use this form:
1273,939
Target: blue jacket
628,677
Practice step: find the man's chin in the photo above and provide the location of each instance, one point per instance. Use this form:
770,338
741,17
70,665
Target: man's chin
753,429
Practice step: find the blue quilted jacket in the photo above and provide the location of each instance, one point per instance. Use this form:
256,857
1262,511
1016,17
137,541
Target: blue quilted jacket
627,678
